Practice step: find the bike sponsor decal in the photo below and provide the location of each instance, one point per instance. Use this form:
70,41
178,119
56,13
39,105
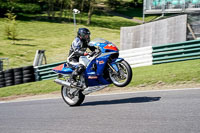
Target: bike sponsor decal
92,77
101,62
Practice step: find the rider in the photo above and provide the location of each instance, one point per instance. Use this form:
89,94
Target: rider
78,48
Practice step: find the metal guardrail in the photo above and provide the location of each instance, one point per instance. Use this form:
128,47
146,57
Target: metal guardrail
189,50
45,72
137,57
174,52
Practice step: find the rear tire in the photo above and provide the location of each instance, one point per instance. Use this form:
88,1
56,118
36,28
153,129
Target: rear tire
125,68
69,98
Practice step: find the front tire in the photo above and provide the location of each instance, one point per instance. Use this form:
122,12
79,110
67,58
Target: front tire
72,96
124,76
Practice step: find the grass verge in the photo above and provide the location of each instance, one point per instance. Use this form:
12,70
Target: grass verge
165,74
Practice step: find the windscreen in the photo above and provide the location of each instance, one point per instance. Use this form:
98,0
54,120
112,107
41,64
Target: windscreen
96,41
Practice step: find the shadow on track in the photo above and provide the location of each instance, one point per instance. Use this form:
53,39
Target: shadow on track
123,101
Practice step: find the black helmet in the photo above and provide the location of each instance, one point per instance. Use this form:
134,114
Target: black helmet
84,34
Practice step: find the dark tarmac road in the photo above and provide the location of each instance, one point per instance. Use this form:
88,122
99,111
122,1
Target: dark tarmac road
175,111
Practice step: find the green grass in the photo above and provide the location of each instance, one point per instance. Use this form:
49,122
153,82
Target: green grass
170,73
41,87
54,37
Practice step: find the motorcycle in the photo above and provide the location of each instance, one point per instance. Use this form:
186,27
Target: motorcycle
102,69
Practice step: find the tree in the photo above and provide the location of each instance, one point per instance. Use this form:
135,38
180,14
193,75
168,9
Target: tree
52,6
10,26
113,3
90,11
137,3
82,7
63,4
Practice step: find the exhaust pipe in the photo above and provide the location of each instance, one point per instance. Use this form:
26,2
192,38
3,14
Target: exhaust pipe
62,82
85,91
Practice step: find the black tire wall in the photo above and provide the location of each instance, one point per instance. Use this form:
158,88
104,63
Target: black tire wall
17,76
28,74
2,79
9,77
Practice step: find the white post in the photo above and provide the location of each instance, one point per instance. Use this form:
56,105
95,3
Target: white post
75,11
36,59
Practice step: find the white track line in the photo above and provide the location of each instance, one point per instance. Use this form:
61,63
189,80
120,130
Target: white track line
2,102
121,93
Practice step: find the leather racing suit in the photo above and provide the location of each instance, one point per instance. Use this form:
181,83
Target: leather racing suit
78,48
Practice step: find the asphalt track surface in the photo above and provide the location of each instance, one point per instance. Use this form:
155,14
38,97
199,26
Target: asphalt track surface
143,112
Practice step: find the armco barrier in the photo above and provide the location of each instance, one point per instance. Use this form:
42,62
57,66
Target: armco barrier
45,72
189,50
174,52
137,57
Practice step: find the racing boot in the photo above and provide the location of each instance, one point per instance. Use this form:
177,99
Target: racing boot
73,77
80,68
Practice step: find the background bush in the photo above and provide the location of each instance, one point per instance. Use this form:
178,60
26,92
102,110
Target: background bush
19,7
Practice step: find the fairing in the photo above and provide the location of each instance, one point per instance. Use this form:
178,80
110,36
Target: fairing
63,69
95,76
103,45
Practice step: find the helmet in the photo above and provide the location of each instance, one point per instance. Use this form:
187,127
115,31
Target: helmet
84,34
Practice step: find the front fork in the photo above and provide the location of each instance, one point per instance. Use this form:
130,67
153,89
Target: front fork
113,65
112,68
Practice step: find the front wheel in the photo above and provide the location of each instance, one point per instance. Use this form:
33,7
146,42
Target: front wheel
123,76
72,96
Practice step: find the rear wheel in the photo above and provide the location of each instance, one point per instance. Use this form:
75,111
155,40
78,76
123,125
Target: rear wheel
123,76
72,96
